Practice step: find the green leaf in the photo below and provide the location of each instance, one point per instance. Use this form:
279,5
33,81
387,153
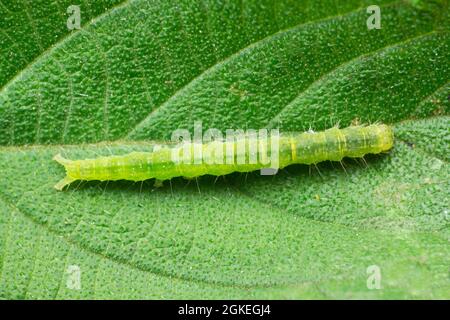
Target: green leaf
28,32
143,69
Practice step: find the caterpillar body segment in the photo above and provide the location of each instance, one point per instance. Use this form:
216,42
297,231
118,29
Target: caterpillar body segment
224,157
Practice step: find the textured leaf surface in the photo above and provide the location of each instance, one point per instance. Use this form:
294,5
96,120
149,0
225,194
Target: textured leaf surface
143,69
29,30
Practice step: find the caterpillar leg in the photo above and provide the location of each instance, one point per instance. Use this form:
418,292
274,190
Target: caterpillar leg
158,183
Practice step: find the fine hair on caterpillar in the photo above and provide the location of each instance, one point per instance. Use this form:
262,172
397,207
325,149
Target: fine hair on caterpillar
239,151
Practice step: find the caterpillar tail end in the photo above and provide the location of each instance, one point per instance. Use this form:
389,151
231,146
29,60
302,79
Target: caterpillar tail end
67,180
61,160
62,183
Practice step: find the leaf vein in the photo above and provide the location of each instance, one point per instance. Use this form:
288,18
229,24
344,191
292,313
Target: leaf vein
217,65
344,64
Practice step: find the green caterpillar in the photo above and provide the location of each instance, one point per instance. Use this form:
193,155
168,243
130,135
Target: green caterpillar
239,155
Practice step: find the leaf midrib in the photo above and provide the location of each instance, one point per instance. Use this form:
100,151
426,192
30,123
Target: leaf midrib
103,256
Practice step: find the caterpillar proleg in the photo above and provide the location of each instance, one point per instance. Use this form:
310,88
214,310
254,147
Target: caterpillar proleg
244,154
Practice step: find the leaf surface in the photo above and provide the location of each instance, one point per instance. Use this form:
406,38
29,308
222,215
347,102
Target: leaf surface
143,69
